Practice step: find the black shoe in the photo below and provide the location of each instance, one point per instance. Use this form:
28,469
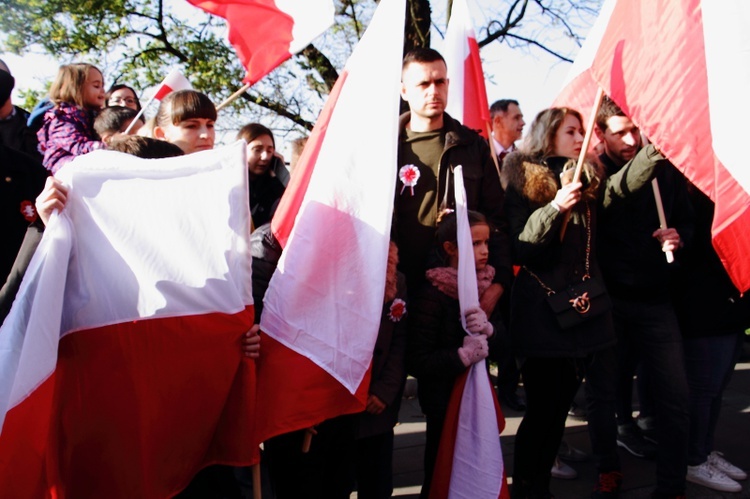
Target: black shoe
630,438
607,486
513,402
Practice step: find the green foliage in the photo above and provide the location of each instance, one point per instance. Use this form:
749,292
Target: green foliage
137,42
29,98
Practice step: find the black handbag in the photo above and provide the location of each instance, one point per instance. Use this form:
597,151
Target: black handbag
581,301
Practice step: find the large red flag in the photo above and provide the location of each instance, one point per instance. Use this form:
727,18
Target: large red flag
323,305
121,373
266,33
676,68
467,95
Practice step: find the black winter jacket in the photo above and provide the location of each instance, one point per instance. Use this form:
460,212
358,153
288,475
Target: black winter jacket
463,147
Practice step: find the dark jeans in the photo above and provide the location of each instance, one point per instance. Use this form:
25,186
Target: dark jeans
709,362
433,431
600,390
550,385
651,329
375,466
326,471
629,362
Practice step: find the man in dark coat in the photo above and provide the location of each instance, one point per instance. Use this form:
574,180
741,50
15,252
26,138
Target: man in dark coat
22,180
431,144
507,129
13,130
632,248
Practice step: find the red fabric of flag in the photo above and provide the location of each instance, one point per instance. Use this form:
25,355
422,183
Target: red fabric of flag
653,63
266,33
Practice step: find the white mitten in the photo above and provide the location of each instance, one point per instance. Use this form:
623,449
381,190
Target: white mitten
474,349
476,322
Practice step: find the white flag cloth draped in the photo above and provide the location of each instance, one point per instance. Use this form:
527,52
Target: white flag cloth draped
476,467
323,306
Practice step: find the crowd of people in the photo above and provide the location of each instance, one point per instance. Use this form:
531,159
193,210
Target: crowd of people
580,282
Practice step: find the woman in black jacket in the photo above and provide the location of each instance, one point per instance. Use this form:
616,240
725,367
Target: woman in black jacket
552,224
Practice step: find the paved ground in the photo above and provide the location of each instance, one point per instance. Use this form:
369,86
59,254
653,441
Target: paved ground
732,438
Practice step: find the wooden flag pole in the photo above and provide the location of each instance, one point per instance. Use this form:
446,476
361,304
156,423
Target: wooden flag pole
307,440
662,219
140,113
493,152
232,97
257,492
584,150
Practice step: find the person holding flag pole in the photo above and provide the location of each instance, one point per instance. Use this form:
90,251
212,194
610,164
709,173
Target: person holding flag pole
632,247
561,319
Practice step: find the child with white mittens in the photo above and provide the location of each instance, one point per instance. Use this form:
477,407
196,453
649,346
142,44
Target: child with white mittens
439,350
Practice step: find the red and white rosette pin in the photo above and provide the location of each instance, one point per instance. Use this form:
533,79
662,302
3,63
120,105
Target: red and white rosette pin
409,174
398,310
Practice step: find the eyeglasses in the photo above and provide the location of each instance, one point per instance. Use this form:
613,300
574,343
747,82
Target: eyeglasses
122,100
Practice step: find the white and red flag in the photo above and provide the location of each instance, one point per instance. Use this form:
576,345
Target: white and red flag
266,33
676,68
579,89
470,464
323,306
467,94
173,82
121,373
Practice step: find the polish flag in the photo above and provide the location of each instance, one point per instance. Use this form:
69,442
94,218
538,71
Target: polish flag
173,82
121,373
470,460
467,95
677,69
579,89
266,33
323,306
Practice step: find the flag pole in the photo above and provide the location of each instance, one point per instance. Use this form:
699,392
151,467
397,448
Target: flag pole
257,491
584,149
493,152
140,113
662,219
232,97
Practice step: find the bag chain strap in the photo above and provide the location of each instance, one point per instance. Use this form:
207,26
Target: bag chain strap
586,276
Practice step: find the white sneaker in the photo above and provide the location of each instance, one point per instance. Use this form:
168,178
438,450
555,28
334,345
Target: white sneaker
563,471
716,459
713,478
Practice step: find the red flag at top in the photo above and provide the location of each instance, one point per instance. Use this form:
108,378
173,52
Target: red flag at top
663,63
467,95
266,33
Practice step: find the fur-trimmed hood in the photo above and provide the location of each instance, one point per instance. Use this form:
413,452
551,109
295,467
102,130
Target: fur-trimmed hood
537,180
